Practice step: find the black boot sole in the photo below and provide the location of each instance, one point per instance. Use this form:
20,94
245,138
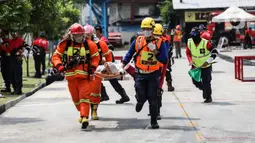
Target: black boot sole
104,99
138,107
122,101
84,125
154,126
171,89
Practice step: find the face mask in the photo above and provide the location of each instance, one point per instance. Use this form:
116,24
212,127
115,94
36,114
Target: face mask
78,38
94,37
147,33
157,37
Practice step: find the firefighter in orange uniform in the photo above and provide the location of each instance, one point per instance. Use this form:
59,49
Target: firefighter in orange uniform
103,52
79,59
177,41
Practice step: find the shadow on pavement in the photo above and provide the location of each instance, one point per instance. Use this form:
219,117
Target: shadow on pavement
54,89
114,104
134,123
218,72
13,120
221,103
178,118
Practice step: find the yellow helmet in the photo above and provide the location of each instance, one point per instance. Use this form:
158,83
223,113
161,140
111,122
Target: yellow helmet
158,29
148,22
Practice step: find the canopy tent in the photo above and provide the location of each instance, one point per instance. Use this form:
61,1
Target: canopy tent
235,14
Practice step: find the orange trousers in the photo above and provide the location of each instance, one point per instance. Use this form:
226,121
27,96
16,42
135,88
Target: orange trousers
96,90
84,92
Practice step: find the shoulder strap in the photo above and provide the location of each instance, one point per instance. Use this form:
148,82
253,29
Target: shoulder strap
69,42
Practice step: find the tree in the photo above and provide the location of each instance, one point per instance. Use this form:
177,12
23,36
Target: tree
51,16
15,15
167,11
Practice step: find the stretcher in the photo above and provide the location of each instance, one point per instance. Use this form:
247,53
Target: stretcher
109,71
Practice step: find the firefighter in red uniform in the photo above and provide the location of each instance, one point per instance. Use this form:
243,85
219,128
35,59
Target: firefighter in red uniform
5,60
40,45
17,45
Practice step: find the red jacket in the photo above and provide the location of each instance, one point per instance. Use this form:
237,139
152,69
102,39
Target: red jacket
41,42
207,35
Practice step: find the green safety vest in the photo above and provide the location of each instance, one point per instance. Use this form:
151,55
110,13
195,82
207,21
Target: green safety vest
199,53
72,50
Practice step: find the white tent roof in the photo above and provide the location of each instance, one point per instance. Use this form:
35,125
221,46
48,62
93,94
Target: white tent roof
233,13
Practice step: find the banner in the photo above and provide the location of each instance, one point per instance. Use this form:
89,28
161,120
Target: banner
196,16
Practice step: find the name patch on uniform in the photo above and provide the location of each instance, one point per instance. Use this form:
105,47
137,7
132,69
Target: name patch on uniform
202,51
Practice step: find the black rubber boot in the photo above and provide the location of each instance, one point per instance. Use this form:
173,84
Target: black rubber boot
204,95
170,86
104,96
84,123
208,99
6,90
124,98
139,107
159,116
153,112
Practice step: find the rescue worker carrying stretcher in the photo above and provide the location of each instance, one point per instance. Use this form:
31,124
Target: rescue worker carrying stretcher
79,59
200,54
150,54
104,52
114,82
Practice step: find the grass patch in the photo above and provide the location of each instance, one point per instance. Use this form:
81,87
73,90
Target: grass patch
29,83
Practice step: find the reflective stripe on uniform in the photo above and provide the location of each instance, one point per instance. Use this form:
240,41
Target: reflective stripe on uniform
76,72
82,101
96,54
95,95
108,52
200,56
57,52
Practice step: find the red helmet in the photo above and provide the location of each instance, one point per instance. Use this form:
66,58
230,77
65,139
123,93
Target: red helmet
76,29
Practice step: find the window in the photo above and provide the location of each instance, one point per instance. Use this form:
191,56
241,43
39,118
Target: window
251,25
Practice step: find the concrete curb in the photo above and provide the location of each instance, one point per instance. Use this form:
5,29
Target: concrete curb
230,59
13,102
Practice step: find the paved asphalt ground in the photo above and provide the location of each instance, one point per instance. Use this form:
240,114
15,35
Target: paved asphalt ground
49,116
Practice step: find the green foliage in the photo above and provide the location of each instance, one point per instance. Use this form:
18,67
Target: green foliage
51,16
167,10
15,14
